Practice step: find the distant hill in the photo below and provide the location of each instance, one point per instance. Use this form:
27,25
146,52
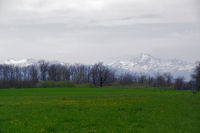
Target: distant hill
147,64
141,64
28,62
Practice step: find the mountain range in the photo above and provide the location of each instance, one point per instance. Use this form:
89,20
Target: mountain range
28,62
141,64
147,64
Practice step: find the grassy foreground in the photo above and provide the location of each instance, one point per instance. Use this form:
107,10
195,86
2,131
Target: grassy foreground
101,110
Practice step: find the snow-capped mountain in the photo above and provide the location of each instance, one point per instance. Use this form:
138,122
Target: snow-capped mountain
141,64
28,62
23,62
147,64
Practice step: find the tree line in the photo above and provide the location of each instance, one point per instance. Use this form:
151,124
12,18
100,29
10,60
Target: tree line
98,74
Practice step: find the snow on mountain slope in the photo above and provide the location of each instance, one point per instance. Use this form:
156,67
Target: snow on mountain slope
141,64
147,64
28,62
23,62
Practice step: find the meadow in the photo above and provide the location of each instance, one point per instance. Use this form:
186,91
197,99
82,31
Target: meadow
99,110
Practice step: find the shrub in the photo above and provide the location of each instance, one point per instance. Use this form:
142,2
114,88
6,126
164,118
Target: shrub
85,85
116,84
54,84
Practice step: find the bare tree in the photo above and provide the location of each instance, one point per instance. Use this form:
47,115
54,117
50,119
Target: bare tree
160,80
142,79
100,74
52,72
43,65
80,74
33,71
126,79
65,73
168,78
196,76
179,83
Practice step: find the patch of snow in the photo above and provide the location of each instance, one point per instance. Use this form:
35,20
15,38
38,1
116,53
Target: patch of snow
145,63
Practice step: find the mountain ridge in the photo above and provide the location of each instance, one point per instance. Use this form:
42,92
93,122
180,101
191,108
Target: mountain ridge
140,64
147,64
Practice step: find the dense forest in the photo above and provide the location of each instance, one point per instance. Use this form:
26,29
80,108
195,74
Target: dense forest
98,75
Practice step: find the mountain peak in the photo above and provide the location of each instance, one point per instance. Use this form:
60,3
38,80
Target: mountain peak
144,57
28,62
145,63
22,62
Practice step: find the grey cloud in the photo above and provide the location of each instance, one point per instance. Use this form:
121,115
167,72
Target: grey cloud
150,16
93,30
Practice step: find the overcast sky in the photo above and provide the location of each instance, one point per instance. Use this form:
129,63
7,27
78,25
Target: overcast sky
89,31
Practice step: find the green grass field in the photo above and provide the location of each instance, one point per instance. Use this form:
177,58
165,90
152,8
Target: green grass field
101,110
